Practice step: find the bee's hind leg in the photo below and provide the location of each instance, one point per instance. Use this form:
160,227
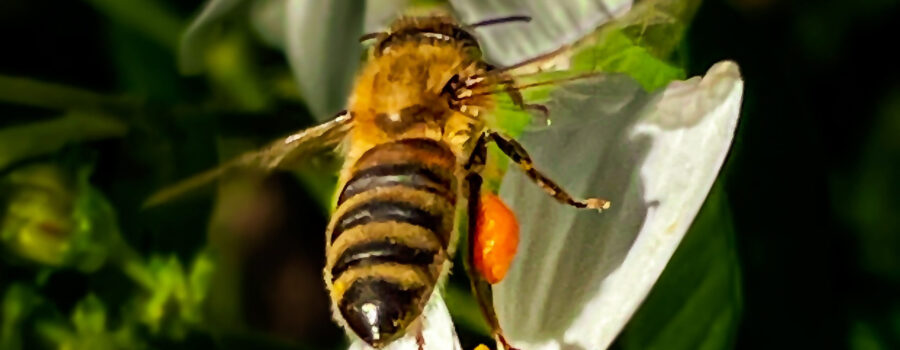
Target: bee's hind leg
420,339
480,288
517,153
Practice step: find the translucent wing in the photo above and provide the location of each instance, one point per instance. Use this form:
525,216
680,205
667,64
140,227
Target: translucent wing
629,44
283,153
535,89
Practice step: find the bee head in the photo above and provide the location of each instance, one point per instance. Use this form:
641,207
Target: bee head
426,29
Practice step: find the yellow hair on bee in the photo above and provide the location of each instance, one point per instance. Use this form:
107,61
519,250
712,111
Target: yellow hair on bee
415,123
413,74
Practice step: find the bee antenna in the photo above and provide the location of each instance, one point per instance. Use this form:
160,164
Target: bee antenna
370,36
492,21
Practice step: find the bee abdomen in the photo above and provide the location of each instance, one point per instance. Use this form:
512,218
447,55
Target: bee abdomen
408,181
378,310
381,252
389,236
420,164
412,175
378,210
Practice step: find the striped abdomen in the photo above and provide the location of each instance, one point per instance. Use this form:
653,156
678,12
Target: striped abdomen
389,236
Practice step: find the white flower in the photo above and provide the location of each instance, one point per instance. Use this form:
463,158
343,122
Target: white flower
579,276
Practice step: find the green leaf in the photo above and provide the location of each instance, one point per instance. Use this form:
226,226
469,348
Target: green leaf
865,336
172,300
203,31
658,25
17,304
29,140
618,53
233,69
219,42
614,52
637,44
144,69
464,309
199,281
145,16
96,230
54,217
36,225
87,329
872,213
697,302
60,97
89,315
168,285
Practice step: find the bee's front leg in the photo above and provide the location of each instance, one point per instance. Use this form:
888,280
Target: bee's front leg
519,101
517,153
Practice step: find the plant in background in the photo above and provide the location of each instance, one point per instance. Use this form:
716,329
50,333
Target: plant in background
53,217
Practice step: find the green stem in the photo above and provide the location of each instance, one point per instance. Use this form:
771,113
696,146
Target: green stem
60,97
132,264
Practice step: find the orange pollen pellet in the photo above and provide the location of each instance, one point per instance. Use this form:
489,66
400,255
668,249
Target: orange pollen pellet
496,238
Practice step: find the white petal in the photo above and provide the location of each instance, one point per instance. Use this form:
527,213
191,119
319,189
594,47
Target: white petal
267,18
553,23
581,275
439,333
323,50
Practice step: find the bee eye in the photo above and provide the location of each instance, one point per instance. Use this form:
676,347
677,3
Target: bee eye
450,87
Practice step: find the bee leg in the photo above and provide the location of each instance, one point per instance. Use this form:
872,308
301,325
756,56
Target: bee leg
480,288
519,101
517,153
420,339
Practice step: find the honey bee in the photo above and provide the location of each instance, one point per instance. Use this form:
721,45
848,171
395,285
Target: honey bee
414,143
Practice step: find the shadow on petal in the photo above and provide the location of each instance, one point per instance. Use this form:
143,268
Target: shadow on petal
566,254
580,276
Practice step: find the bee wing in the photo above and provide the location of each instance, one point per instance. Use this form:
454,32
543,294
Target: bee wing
281,154
539,91
612,39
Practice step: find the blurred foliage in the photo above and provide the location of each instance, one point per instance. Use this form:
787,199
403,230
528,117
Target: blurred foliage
55,217
815,103
34,139
795,248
